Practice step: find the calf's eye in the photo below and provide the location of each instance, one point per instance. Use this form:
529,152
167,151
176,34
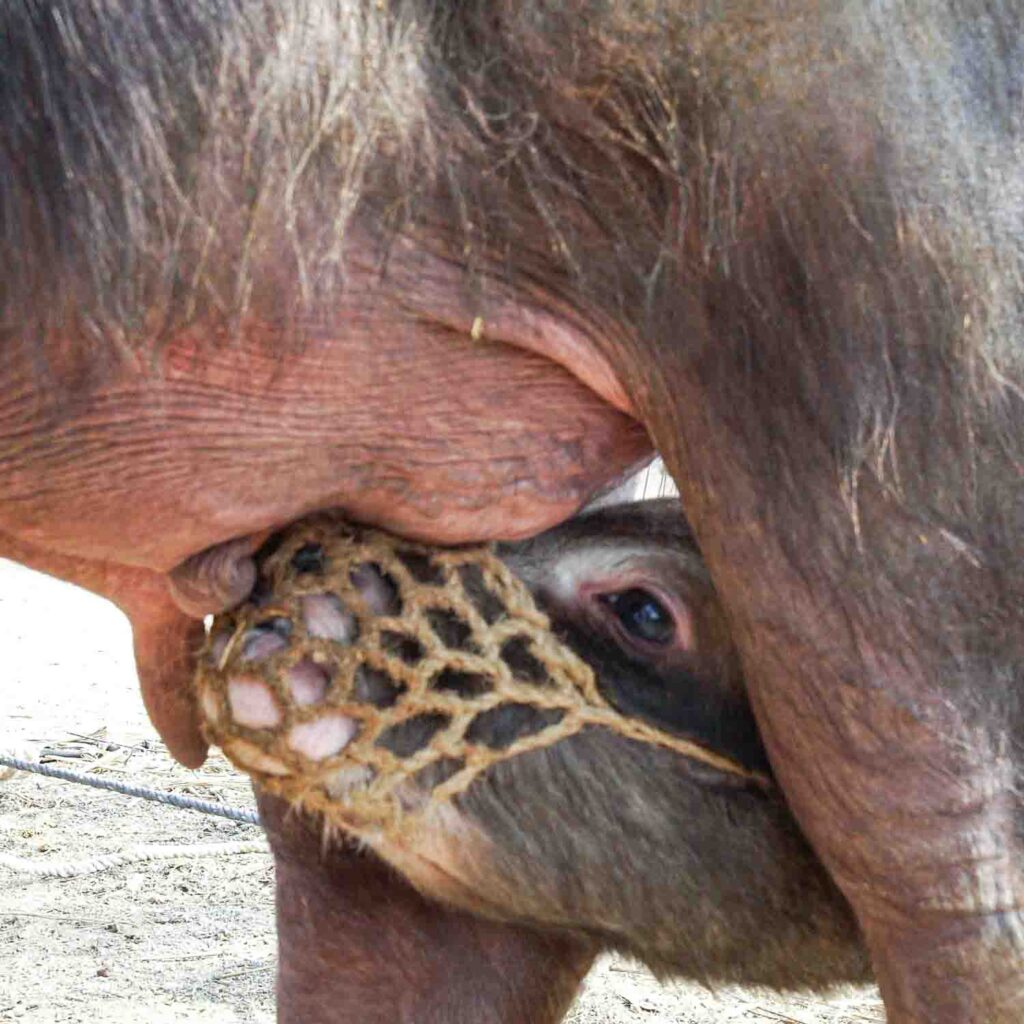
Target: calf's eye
643,616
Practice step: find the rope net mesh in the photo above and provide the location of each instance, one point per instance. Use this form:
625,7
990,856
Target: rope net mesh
434,644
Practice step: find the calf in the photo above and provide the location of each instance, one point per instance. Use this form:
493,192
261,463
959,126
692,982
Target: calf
695,866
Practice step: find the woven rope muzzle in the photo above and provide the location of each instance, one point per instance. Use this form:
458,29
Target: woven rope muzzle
462,638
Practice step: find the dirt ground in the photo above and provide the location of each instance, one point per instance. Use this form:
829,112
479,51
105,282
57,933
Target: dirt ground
187,940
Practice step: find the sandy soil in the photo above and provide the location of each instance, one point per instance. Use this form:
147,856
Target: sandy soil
188,940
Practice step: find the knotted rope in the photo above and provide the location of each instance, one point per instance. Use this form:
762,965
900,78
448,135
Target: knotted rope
191,803
405,692
134,855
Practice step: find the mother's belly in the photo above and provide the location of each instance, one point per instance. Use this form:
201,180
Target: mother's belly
411,427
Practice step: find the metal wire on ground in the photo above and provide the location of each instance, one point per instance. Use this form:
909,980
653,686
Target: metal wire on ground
137,854
134,855
247,815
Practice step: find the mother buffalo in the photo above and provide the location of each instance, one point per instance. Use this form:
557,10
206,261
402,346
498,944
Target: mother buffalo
454,267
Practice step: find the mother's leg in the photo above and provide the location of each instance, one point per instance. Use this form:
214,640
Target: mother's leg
848,449
895,755
832,365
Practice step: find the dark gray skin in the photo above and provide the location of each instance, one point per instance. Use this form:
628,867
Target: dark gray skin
696,871
453,268
598,841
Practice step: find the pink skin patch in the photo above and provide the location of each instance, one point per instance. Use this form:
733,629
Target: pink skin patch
252,704
307,682
259,645
323,737
325,617
377,590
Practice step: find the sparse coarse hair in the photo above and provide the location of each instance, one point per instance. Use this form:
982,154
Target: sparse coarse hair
814,211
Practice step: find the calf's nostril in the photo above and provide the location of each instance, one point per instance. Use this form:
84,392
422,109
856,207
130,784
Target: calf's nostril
309,558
